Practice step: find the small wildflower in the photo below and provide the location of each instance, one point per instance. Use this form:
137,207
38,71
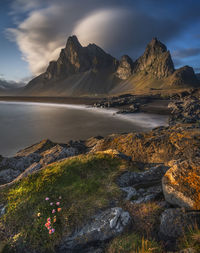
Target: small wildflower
53,211
51,204
52,230
59,209
39,214
46,198
60,197
49,219
58,203
54,220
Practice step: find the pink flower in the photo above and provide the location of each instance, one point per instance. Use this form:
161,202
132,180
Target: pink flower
51,204
53,211
57,203
48,219
47,198
52,230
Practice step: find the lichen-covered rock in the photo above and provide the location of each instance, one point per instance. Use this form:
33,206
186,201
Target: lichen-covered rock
175,222
102,227
181,184
157,146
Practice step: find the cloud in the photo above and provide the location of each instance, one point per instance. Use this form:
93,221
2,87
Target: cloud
187,52
117,26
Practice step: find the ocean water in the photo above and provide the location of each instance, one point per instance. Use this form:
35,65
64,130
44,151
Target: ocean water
23,124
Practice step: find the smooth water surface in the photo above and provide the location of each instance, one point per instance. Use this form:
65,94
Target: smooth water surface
23,124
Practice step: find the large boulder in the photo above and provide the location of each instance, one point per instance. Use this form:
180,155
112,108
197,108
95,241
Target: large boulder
181,184
101,228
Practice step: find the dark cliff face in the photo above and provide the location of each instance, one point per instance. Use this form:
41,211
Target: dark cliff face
156,60
75,59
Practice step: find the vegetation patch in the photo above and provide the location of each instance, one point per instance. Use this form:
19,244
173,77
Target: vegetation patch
133,243
85,184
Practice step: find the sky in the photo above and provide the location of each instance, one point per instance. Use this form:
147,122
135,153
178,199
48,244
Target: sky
32,32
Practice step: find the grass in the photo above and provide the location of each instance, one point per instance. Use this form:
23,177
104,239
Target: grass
86,184
145,217
133,243
191,239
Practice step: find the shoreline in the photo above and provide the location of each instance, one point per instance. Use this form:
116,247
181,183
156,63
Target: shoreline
135,118
153,105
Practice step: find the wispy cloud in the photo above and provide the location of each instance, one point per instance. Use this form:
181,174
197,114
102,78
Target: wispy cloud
117,26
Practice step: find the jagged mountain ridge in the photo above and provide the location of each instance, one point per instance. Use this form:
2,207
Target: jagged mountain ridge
91,71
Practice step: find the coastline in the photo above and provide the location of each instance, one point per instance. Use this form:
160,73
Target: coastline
152,105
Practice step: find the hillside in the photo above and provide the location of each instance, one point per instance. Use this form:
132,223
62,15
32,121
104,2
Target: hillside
83,71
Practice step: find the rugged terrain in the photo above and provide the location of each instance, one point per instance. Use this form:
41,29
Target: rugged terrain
90,71
134,192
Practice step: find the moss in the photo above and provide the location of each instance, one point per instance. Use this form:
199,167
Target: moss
86,183
130,243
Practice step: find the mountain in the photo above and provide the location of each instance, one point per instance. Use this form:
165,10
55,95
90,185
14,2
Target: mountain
81,71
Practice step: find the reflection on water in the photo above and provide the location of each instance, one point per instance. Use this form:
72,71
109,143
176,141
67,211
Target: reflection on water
23,124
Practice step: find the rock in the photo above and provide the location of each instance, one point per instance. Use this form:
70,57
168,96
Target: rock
184,76
176,221
14,166
2,210
149,176
57,153
186,110
36,148
145,195
181,184
101,228
125,68
156,60
130,191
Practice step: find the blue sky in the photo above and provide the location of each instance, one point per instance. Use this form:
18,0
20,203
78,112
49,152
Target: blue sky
32,33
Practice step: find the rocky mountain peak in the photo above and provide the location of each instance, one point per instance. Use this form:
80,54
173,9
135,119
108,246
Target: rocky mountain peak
125,68
156,60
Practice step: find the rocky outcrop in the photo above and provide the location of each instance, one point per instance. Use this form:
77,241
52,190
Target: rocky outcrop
156,60
160,145
125,68
101,228
150,176
181,184
33,158
185,110
184,76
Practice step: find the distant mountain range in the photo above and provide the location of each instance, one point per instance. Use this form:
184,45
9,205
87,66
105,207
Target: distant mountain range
91,71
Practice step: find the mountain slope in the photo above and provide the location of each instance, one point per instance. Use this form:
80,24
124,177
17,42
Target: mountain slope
83,71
